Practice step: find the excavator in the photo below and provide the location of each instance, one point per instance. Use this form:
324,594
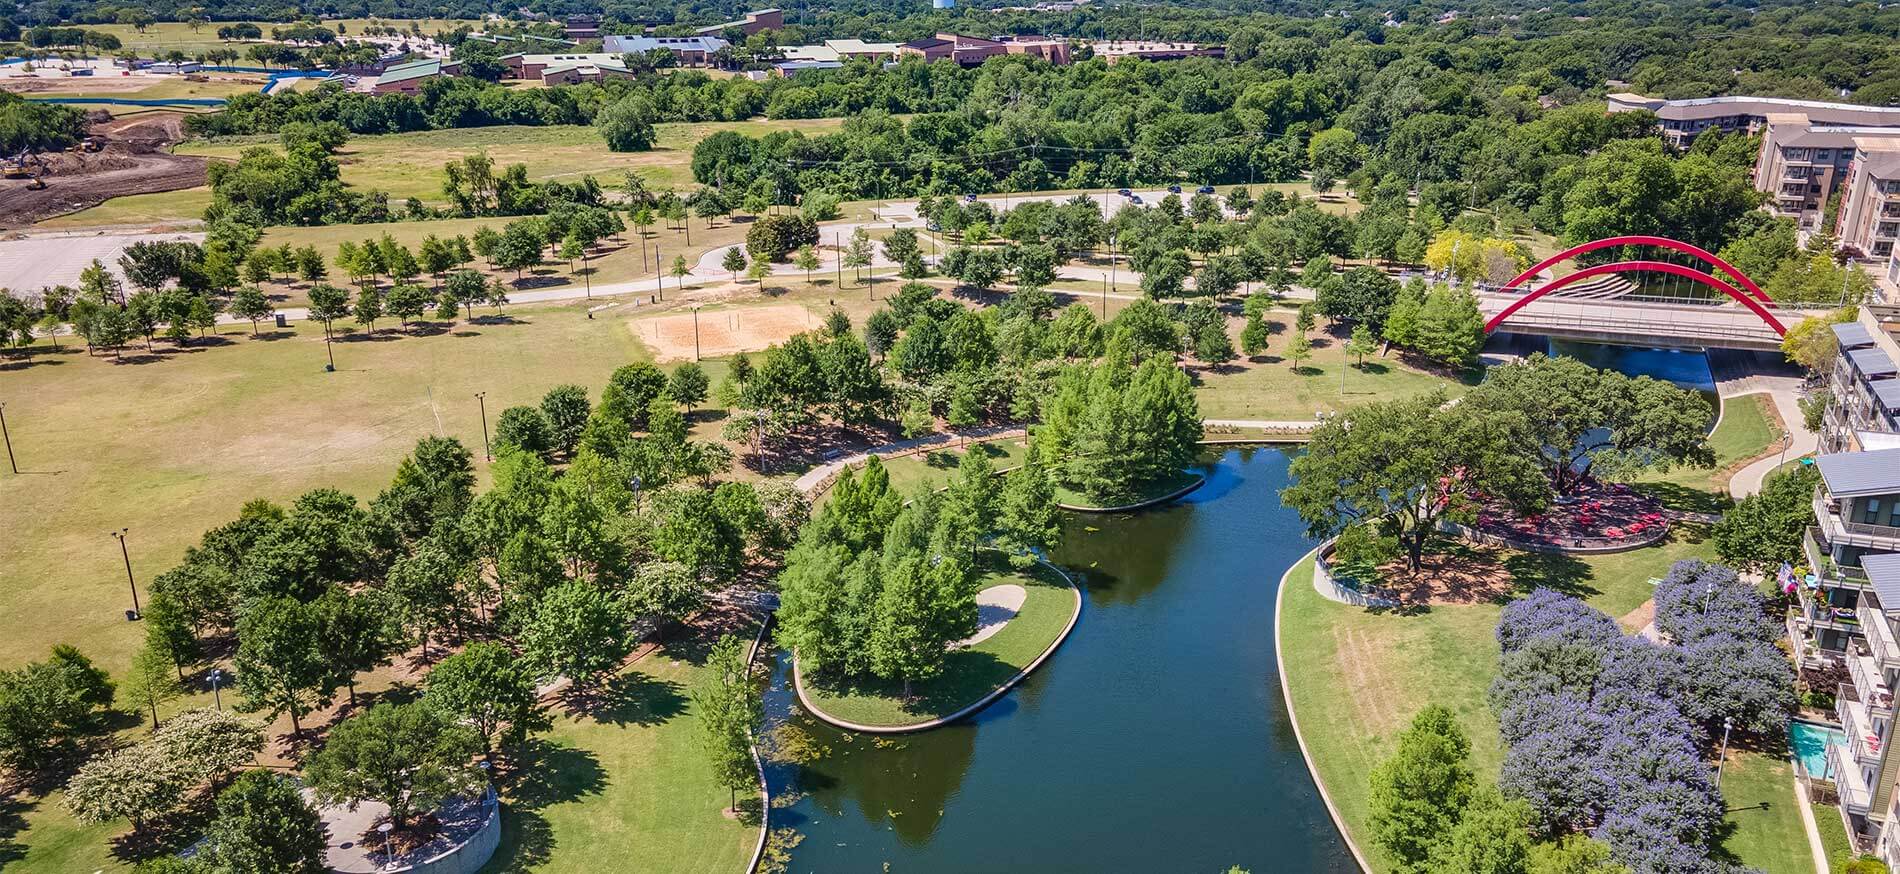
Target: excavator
26,165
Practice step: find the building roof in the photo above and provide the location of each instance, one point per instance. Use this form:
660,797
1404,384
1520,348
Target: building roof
1852,474
929,42
860,47
1852,335
566,58
1872,362
809,53
636,44
411,70
1887,392
1883,571
586,67
789,67
1712,107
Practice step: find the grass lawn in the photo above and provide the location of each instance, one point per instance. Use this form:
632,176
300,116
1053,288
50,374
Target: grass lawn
1758,786
935,468
1357,677
1834,840
969,673
1269,388
1748,428
1068,497
182,207
625,787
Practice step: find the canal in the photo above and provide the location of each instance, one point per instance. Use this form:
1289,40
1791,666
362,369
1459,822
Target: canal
1156,739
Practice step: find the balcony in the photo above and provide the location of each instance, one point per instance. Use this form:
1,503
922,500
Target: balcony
1856,797
1863,744
1838,530
1822,563
1870,683
1883,651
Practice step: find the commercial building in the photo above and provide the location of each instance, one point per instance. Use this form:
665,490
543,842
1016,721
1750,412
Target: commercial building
971,51
1115,50
841,50
1682,120
408,78
692,51
530,67
580,27
576,72
753,22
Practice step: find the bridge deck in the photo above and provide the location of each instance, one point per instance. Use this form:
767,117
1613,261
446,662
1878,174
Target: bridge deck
1626,321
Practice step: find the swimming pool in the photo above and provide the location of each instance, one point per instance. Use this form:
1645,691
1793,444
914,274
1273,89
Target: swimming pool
1809,741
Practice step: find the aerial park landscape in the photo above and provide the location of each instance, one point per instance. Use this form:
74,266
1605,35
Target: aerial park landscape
950,437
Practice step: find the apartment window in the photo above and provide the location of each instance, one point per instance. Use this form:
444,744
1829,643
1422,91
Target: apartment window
1823,154
1870,511
1883,248
1886,229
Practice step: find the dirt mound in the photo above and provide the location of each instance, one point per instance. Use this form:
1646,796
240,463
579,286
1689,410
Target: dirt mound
134,161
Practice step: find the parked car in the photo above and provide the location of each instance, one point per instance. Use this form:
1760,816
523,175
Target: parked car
1123,192
970,197
1136,199
1174,189
1205,189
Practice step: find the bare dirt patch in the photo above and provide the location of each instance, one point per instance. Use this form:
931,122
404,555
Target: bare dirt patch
135,161
721,332
1473,576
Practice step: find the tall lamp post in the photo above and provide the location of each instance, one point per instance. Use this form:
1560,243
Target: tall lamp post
217,674
389,858
481,397
4,433
695,332
129,582
1727,724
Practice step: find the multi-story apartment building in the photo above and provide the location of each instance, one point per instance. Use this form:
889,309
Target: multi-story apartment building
1870,205
1848,610
1682,120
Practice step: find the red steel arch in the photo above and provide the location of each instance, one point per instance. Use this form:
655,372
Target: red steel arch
1638,266
1645,240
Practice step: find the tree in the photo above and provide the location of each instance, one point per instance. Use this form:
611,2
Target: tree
1029,521
1253,337
665,592
1589,422
1361,343
1765,529
1419,794
280,664
728,708
264,824
525,428
679,271
1212,345
327,304
1491,837
576,631
408,756
133,783
626,124
205,745
250,303
1811,342
688,384
357,634
408,302
1299,349
566,408
1448,326
369,308
806,260
857,255
734,261
486,688
150,682
1402,466
426,589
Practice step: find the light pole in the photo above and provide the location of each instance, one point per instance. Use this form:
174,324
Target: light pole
134,586
216,675
389,858
695,332
9,438
1727,723
481,397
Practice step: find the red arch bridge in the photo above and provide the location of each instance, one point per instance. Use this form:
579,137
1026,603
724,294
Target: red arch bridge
1643,301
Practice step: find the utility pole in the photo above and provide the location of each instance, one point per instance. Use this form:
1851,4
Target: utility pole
4,433
127,556
481,397
695,332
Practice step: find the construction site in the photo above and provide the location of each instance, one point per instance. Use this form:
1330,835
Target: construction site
124,155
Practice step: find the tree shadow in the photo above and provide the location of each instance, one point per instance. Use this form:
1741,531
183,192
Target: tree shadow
539,281
541,773
273,335
13,810
636,698
167,834
1566,574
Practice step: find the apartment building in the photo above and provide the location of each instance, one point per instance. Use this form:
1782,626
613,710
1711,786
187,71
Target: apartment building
1869,220
1683,120
971,51
1802,164
1848,607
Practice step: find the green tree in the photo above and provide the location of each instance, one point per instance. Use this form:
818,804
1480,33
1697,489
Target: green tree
728,707
1298,349
369,308
251,304
1029,521
1420,792
525,428
734,261
1253,337
150,682
576,631
358,635
264,824
566,409
1212,345
133,783
1402,466
1765,529
806,260
487,689
280,664
687,385
410,757
627,124
1491,837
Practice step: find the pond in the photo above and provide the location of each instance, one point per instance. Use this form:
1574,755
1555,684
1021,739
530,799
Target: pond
1156,739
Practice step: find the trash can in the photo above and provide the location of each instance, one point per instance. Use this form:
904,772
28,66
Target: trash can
282,321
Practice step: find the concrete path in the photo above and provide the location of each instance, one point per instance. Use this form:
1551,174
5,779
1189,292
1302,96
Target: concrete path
1784,392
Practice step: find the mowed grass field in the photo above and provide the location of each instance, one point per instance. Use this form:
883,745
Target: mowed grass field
410,164
165,36
1357,677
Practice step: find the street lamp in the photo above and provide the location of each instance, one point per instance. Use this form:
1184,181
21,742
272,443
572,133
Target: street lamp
695,332
389,858
1727,724
216,675
481,397
8,437
132,616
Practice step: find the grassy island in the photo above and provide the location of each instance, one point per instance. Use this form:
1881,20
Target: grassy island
1152,492
969,673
